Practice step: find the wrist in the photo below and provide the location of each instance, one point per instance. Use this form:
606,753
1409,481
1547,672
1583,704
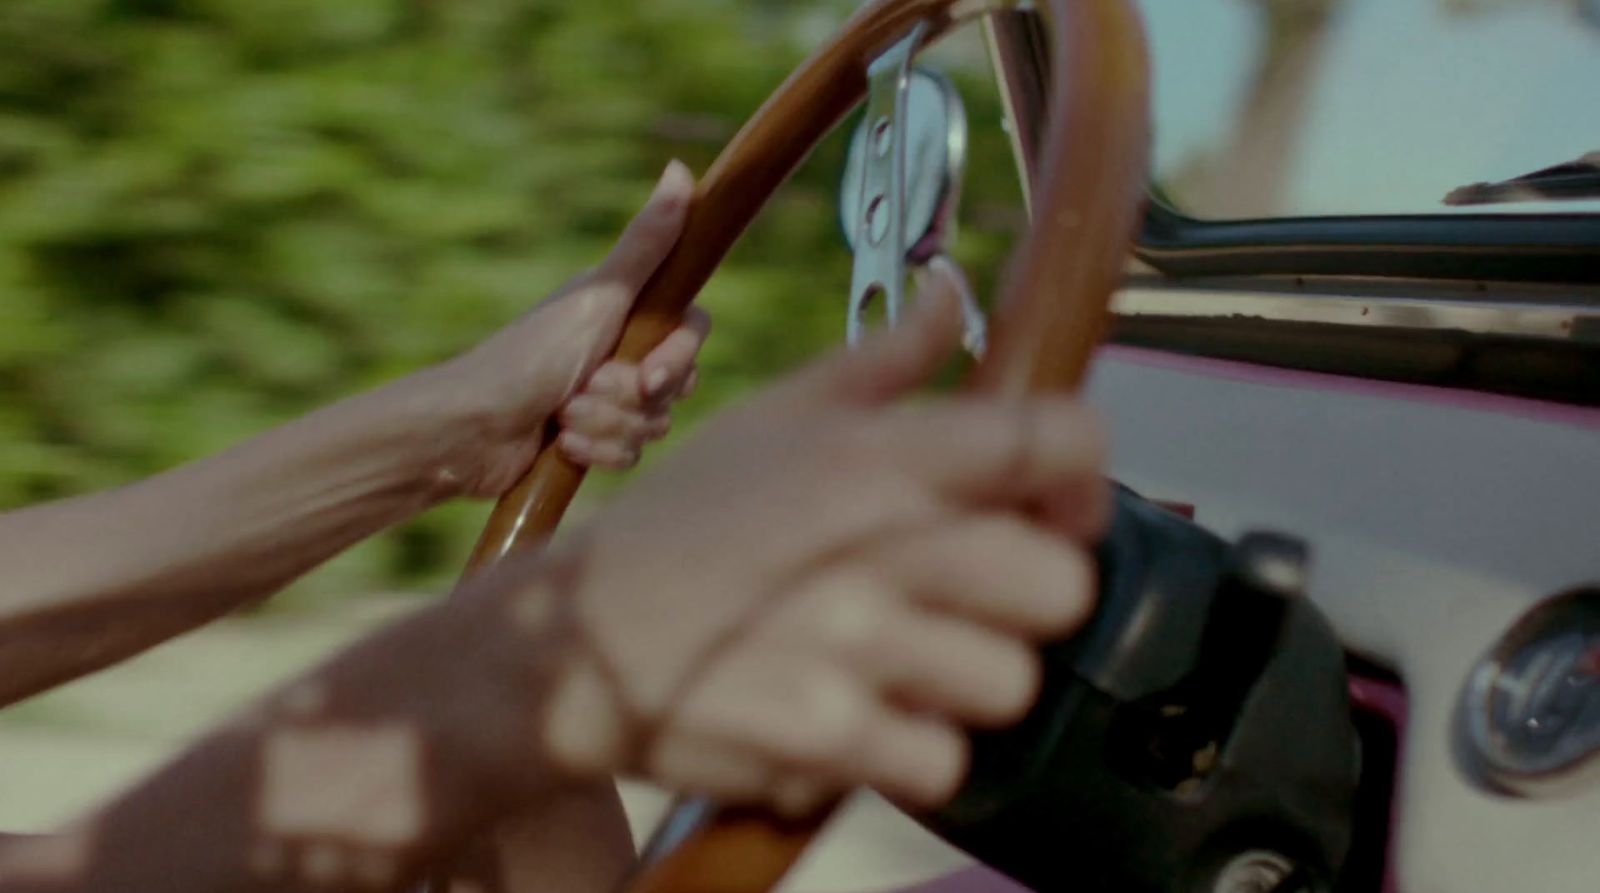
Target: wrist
452,426
484,435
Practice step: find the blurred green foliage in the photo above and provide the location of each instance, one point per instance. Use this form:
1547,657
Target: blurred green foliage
217,214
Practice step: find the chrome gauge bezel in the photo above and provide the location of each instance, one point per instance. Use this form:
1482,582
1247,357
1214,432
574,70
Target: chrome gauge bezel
1562,628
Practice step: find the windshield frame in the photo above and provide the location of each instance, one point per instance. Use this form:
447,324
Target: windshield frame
1532,248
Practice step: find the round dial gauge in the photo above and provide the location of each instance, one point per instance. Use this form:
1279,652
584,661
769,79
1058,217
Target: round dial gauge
1532,706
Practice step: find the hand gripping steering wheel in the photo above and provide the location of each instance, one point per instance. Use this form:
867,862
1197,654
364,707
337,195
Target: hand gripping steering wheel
1086,195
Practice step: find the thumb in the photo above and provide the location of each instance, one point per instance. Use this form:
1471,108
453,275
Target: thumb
892,362
652,233
588,331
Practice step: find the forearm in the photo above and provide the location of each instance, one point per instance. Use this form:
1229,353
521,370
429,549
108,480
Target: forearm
352,778
93,579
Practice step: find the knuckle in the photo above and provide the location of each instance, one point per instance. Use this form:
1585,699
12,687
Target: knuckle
1017,686
1074,592
612,378
948,768
640,424
583,427
621,459
597,293
831,714
852,617
1053,589
581,454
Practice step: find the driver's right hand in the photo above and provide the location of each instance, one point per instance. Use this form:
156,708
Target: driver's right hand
827,584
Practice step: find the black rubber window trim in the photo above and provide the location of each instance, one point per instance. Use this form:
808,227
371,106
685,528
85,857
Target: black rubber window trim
1496,247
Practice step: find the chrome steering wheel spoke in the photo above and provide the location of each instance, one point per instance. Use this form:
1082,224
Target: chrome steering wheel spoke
880,224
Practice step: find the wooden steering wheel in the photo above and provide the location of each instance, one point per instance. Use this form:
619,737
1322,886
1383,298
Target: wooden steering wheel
1086,191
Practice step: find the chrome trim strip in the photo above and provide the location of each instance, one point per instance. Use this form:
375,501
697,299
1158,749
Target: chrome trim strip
1548,321
1019,52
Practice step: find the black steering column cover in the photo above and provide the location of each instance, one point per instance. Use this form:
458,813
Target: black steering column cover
1202,718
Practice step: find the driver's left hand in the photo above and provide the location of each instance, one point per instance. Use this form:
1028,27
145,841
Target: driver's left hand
550,363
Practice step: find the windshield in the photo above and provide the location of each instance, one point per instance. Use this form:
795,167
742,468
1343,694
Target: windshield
1274,108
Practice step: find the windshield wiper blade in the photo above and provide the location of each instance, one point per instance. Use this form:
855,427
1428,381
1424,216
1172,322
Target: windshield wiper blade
1577,179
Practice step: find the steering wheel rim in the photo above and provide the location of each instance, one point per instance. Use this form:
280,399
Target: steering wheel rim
1087,194
1053,307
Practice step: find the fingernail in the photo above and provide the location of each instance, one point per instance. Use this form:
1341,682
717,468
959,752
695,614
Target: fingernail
675,170
656,381
577,443
578,407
